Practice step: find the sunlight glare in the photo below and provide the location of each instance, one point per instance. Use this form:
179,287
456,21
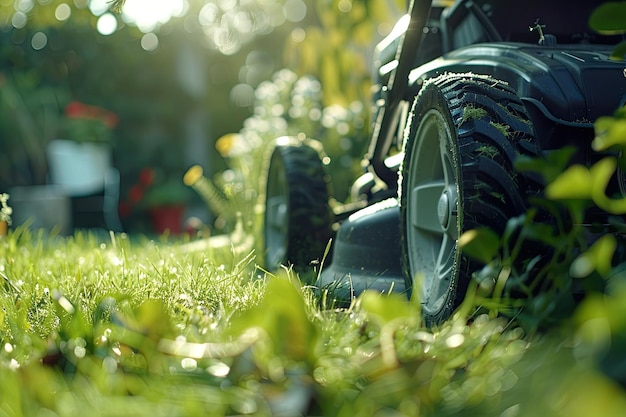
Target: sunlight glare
99,7
107,24
147,15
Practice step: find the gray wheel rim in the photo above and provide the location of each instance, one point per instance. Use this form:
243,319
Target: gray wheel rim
433,210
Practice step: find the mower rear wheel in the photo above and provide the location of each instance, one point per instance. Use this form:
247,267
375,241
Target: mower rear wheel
458,174
298,218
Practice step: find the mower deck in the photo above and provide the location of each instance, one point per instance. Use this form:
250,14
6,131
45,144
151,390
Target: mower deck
366,253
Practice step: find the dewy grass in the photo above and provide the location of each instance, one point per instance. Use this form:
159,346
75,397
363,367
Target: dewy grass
93,326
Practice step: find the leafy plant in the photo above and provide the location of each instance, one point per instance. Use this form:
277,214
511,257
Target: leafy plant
169,191
87,123
547,261
608,19
28,120
154,188
5,210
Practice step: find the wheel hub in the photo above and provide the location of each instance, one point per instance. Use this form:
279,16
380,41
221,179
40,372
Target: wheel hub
443,209
446,207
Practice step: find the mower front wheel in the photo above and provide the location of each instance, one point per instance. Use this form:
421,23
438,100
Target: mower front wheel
458,174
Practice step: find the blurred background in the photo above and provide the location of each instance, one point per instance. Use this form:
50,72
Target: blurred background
163,85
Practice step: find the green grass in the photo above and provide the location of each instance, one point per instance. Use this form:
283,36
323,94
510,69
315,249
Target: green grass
121,327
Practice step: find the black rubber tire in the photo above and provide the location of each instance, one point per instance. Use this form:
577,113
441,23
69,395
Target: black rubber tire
298,218
467,163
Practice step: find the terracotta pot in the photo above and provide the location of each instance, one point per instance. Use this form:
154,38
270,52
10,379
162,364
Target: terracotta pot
167,219
4,227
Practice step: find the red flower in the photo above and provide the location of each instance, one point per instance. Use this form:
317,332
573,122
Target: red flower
135,194
75,109
146,177
78,110
110,119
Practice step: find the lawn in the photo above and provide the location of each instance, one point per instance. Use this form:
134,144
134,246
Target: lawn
114,326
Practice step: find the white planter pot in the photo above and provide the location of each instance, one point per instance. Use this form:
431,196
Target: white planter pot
79,168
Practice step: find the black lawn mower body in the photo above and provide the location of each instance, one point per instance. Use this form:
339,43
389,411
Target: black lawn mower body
538,77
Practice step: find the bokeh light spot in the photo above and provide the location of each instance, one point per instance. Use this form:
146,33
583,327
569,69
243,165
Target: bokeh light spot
148,14
384,29
275,14
99,7
39,41
295,10
227,5
149,42
62,12
19,19
242,95
107,24
298,35
24,5
344,6
208,14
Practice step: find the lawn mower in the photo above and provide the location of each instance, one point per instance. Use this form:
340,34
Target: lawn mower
464,89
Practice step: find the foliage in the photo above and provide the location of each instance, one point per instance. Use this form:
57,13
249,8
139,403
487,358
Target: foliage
5,209
112,72
289,105
154,188
221,203
608,19
337,46
156,203
87,123
554,256
29,118
171,191
138,327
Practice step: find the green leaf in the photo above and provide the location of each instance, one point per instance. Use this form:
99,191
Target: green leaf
609,18
481,244
550,166
513,226
601,173
610,131
542,233
620,113
282,314
386,307
619,52
153,320
598,257
575,183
